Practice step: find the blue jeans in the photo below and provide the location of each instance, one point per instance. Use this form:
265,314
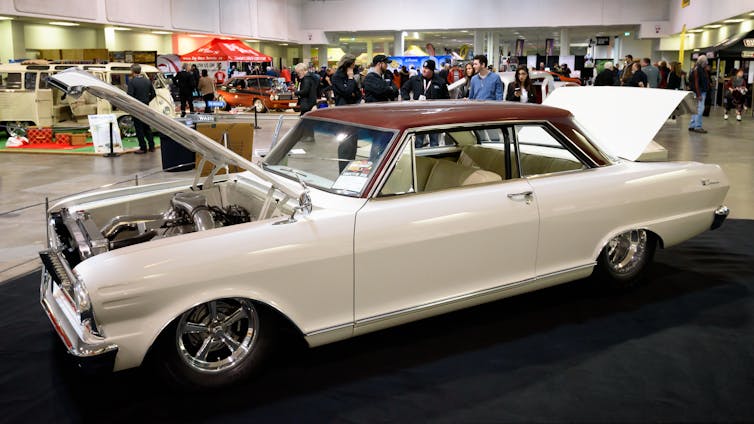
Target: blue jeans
696,120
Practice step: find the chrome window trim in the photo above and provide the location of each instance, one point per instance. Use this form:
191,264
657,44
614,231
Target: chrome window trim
383,175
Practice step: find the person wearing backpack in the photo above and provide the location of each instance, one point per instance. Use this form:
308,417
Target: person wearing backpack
307,89
699,84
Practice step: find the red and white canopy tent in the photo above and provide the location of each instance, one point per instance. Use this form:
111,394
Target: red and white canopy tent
218,50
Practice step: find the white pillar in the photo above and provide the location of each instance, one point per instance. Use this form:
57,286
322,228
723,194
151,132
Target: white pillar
322,55
12,44
478,42
565,42
398,45
370,52
493,45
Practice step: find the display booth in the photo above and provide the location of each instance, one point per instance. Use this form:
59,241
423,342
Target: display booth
224,52
735,52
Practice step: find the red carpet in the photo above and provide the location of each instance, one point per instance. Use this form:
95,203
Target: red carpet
51,146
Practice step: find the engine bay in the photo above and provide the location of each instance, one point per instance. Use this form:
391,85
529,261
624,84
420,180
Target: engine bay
80,235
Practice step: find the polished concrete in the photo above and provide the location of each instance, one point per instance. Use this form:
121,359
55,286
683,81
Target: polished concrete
26,180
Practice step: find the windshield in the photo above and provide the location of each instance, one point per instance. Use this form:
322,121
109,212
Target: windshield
335,157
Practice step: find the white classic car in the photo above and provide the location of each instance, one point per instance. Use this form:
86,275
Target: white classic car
348,227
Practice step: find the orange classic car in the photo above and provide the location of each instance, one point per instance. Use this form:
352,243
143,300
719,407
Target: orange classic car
260,91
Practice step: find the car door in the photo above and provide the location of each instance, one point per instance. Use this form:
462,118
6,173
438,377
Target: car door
419,250
571,198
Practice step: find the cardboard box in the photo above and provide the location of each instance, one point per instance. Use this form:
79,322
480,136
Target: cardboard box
240,139
78,139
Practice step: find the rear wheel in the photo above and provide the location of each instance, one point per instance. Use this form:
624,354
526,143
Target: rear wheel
214,344
259,106
126,125
16,128
624,260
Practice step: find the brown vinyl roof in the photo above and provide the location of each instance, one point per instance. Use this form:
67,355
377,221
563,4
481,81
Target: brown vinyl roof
409,114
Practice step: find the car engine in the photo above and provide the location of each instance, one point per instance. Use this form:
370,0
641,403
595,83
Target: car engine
80,238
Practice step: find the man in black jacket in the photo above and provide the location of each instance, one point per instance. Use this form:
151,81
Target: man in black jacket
376,88
185,82
307,89
140,88
426,86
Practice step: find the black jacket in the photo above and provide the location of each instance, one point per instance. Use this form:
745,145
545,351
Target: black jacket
606,77
637,77
511,94
307,92
141,89
185,82
345,89
437,88
377,89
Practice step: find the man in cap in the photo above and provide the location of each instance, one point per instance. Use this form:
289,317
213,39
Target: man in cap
426,86
376,88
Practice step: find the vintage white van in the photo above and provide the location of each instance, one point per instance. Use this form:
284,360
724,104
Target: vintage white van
26,99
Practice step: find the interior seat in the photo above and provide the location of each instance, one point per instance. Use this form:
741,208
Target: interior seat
485,158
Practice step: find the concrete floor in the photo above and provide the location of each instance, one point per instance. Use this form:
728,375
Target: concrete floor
27,179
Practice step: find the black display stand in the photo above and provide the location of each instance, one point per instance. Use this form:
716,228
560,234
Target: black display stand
112,153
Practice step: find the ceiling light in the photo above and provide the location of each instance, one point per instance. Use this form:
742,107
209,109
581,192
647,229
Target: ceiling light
60,23
251,41
751,14
161,32
5,18
121,29
713,26
198,35
283,44
732,21
695,30
626,34
464,31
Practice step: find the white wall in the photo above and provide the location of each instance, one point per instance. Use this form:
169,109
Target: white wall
702,12
370,15
139,41
45,37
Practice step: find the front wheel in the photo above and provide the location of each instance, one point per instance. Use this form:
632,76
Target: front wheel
624,260
126,125
214,344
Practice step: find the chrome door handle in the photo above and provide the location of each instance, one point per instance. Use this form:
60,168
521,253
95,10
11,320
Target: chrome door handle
522,194
526,195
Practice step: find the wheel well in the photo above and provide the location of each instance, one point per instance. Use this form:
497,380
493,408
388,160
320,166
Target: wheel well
282,324
660,242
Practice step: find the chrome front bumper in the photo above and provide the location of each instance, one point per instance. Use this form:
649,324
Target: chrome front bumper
88,350
720,214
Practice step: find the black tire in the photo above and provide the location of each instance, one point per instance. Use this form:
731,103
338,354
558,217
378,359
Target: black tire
623,262
203,349
126,125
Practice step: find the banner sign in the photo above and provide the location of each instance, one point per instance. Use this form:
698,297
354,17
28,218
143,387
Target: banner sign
748,42
603,41
416,61
520,47
549,46
104,129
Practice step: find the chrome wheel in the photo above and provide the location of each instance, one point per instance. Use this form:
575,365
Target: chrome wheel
626,253
126,125
217,335
17,128
259,105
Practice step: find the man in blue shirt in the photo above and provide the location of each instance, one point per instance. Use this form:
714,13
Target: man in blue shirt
485,85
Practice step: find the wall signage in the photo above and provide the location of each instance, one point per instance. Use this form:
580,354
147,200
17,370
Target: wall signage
748,42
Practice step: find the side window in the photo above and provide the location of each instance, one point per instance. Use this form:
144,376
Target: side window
401,180
540,152
10,80
444,170
30,81
43,80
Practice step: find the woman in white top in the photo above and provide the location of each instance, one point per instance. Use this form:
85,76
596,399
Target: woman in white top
521,90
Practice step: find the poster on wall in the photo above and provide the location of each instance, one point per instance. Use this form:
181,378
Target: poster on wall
100,126
416,61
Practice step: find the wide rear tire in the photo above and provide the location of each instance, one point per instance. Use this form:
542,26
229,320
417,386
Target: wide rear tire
624,260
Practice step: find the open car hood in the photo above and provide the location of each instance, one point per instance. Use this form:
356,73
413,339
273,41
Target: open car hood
74,82
622,120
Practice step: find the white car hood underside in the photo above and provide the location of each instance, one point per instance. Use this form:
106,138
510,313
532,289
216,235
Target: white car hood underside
622,120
